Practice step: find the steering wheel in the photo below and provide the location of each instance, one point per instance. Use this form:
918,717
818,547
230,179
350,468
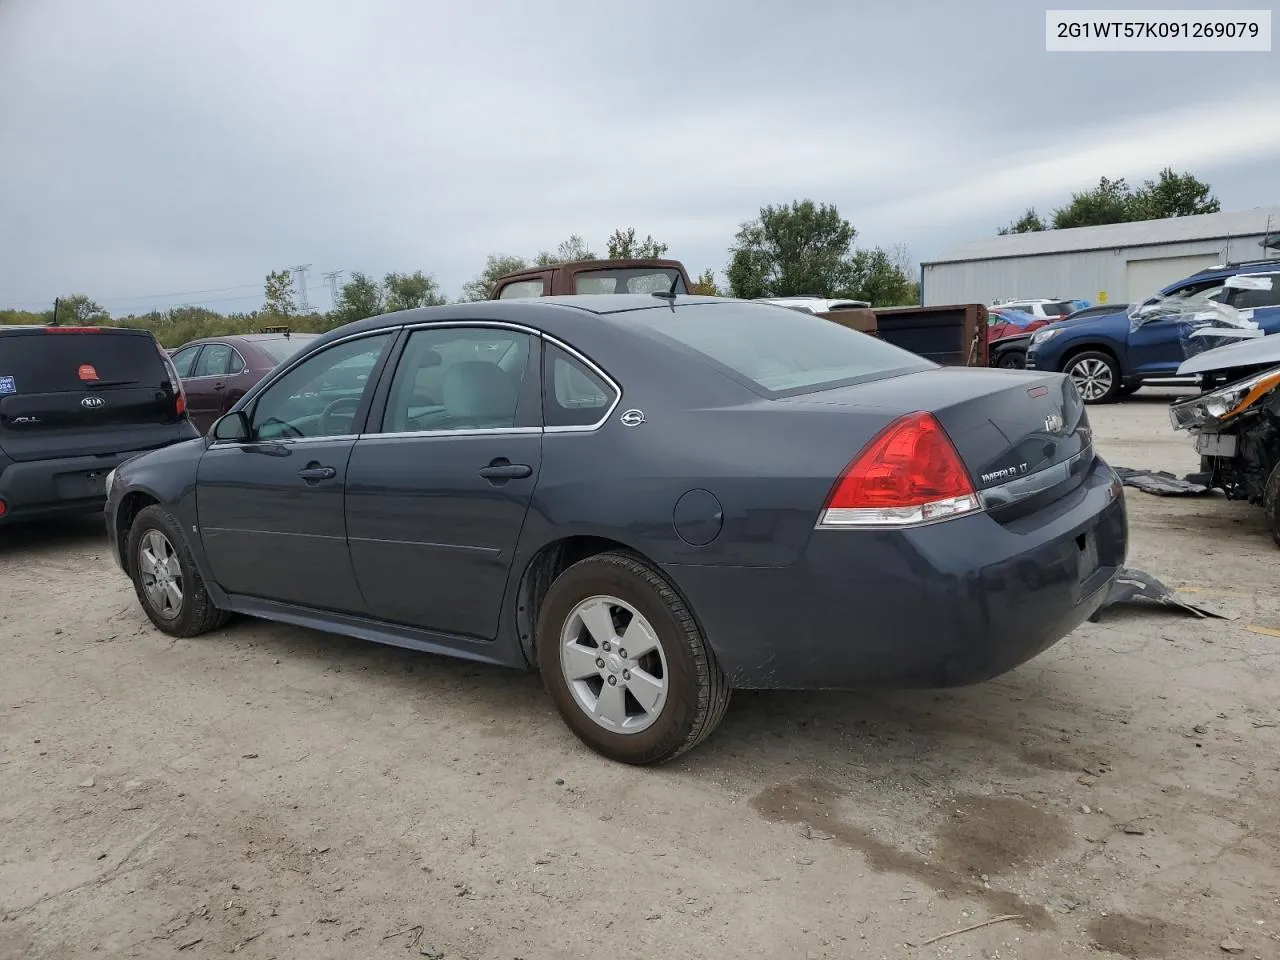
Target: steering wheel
332,409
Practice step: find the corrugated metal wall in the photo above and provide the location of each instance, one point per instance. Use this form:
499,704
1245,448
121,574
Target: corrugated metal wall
1082,275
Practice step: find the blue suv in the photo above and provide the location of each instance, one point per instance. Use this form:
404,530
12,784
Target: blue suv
1107,360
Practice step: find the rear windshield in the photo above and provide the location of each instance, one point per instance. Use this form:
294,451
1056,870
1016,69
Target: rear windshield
1051,308
284,348
780,351
63,362
628,280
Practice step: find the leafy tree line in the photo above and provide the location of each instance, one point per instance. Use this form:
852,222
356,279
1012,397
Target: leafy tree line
802,248
1114,201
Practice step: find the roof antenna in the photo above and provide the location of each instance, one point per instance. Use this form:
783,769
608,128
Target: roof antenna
671,293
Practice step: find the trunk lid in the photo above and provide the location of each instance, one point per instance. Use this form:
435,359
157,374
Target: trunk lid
1021,434
69,392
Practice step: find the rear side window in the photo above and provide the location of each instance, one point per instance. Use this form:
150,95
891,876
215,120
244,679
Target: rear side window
67,362
521,289
573,394
779,351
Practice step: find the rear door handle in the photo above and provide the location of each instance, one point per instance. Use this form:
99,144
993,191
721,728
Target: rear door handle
313,472
504,470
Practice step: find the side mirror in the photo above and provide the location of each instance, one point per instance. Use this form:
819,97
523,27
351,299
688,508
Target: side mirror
234,426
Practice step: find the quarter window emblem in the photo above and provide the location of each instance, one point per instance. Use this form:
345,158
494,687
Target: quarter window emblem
92,403
633,418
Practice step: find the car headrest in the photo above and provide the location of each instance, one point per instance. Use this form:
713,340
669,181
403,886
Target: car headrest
478,390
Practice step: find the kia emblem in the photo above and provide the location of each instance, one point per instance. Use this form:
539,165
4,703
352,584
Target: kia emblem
93,403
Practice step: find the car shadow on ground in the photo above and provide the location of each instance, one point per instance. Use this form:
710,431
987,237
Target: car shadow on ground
88,530
916,736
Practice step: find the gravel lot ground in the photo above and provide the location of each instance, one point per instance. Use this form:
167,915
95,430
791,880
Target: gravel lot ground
274,792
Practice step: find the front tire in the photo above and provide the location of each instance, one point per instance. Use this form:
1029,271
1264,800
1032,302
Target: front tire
1013,360
625,663
1096,375
165,577
1271,503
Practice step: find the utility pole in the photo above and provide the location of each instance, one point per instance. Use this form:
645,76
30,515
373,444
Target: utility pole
331,278
54,321
300,273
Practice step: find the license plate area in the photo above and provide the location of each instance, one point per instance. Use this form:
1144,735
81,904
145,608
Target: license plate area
1086,555
1216,444
81,485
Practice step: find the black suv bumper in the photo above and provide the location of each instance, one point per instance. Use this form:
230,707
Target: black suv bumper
31,489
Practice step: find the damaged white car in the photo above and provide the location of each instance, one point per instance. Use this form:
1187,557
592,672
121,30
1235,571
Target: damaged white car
1236,422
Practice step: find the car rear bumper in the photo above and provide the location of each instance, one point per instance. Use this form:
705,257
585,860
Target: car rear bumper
948,604
32,489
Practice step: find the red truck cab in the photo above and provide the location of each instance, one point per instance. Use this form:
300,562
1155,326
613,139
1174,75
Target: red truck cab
594,277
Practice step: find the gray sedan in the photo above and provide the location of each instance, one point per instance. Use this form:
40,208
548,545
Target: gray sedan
652,500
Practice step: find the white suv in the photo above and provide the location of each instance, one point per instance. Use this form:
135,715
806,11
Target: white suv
1042,309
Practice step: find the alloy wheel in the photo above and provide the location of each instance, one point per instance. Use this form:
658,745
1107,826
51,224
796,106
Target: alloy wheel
614,664
1092,378
161,574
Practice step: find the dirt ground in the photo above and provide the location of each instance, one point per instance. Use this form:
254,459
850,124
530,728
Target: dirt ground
273,792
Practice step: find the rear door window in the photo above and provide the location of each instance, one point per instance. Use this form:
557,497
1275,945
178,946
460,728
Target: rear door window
574,395
214,361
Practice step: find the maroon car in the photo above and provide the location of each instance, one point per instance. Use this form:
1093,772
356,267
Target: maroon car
218,371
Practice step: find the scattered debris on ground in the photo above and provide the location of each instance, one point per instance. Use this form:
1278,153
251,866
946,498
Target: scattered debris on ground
1161,483
1135,585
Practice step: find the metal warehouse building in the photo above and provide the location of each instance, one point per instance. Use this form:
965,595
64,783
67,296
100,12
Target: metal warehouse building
1116,263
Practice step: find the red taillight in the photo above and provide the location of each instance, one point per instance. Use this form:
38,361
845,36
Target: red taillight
72,329
909,473
3,508
87,372
175,382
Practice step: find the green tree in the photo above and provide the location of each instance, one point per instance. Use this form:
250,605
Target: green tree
573,250
623,245
359,297
404,291
1173,195
277,294
497,265
1109,202
704,285
803,248
1029,222
77,308
878,279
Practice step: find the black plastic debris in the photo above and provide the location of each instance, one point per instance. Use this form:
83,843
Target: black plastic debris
1134,585
1162,483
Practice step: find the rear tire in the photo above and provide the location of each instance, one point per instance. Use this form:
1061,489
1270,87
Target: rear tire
1271,504
1013,360
646,705
165,577
1095,374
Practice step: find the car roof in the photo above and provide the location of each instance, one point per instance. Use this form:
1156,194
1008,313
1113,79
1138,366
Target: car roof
37,327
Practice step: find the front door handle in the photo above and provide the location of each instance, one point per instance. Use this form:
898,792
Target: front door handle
313,472
219,385
502,469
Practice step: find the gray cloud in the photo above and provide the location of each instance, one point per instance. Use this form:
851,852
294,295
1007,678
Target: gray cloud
155,147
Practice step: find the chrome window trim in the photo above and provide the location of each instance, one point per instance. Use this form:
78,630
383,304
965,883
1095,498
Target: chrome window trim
214,442
1030,485
596,369
427,434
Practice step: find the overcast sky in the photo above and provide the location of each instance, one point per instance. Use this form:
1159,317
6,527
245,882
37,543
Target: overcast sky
155,147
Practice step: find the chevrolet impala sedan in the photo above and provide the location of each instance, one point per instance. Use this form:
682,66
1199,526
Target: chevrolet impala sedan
650,499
